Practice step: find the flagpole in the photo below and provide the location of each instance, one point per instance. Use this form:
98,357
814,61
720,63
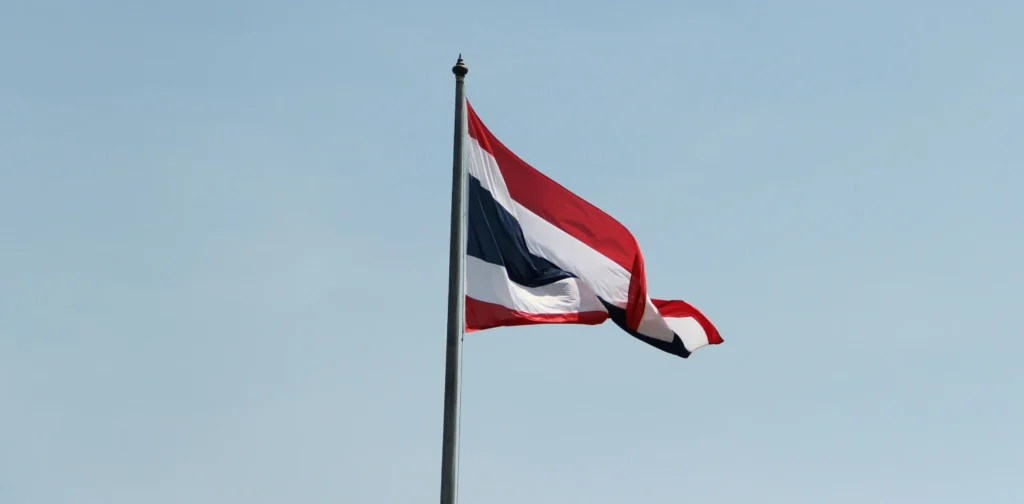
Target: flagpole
456,313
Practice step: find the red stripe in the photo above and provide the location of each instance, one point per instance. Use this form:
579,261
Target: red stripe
570,213
481,315
681,309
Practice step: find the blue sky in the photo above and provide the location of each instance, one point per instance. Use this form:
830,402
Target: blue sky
224,245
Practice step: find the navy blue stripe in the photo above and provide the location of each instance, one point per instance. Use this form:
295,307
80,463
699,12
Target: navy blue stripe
495,236
676,347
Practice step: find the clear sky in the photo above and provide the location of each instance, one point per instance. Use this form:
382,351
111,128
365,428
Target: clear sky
225,230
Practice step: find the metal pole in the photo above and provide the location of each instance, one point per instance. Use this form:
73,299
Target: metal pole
450,436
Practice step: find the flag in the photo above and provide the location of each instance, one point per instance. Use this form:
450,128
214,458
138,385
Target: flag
537,253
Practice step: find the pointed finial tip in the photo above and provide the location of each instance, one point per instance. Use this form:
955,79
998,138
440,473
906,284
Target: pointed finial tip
460,69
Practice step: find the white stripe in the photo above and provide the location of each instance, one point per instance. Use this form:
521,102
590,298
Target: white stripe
490,283
689,330
483,167
653,325
605,276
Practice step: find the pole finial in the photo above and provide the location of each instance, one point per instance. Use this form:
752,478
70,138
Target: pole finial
460,69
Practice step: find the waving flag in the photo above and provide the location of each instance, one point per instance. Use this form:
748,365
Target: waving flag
539,254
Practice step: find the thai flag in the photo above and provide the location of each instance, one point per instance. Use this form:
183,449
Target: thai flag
538,254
